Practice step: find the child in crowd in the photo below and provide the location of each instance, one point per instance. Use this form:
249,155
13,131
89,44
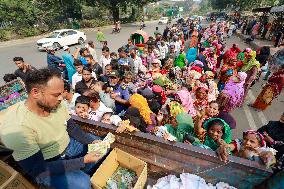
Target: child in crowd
252,146
214,133
82,106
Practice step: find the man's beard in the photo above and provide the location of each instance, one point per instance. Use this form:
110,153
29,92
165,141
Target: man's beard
47,107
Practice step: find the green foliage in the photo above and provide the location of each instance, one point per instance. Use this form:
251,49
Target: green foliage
28,32
94,23
5,35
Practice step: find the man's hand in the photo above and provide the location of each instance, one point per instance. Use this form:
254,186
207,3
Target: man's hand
114,95
92,157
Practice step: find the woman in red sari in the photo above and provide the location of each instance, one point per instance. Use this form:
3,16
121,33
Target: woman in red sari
271,90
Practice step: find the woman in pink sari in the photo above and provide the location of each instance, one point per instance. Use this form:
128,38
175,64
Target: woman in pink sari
232,95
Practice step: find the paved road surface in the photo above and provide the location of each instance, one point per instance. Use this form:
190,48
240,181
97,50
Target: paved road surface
246,117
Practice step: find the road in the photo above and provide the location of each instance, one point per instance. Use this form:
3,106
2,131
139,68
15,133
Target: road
247,118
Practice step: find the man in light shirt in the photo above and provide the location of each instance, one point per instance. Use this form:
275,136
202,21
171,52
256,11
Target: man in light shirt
105,58
92,51
78,75
137,64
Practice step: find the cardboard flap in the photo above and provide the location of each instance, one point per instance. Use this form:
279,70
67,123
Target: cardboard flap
106,170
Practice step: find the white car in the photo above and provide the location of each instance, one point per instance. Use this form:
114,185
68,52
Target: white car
60,38
163,20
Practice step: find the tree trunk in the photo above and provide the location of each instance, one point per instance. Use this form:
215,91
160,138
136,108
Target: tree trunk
115,12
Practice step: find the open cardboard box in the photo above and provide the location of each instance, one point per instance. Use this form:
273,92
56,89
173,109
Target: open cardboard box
114,159
11,179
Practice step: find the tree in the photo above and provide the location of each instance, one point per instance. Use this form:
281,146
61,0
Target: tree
114,5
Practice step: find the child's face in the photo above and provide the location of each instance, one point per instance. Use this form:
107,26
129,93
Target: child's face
106,119
251,141
213,109
215,132
81,109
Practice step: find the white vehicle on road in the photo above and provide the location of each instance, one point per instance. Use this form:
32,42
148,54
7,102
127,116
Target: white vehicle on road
163,20
60,38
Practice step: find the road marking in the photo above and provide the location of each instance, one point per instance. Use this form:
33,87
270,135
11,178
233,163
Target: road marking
259,113
250,119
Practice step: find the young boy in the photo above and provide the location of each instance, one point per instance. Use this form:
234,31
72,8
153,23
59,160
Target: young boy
82,105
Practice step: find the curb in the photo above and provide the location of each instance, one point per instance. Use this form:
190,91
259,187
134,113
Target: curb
28,39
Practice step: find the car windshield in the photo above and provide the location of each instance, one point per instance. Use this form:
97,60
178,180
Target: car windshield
53,35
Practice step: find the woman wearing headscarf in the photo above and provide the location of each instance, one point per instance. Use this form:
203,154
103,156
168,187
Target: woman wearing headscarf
227,71
194,38
271,90
233,93
139,102
250,67
191,54
186,100
180,126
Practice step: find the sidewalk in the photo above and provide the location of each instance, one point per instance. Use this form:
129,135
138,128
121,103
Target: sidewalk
257,43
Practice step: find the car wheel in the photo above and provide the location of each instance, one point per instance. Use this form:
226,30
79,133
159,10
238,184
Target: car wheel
81,41
56,46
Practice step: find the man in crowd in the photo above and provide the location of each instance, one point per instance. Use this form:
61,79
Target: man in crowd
80,54
23,68
105,58
47,144
137,62
92,51
69,62
274,135
97,69
120,93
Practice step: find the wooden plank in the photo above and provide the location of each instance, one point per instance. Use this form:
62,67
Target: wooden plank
164,157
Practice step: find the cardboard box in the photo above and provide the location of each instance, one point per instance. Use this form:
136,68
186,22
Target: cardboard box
114,159
11,179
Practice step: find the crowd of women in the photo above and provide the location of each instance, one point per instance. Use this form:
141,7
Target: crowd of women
181,95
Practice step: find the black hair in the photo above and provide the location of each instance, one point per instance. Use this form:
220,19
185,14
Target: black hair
83,50
88,68
18,58
106,113
67,86
121,49
89,56
9,77
114,64
37,78
113,54
215,122
78,62
83,100
94,96
105,49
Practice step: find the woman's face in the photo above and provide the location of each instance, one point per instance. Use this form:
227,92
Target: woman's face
215,132
86,75
213,109
201,94
251,141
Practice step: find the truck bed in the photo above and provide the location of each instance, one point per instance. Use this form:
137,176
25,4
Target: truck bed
164,158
